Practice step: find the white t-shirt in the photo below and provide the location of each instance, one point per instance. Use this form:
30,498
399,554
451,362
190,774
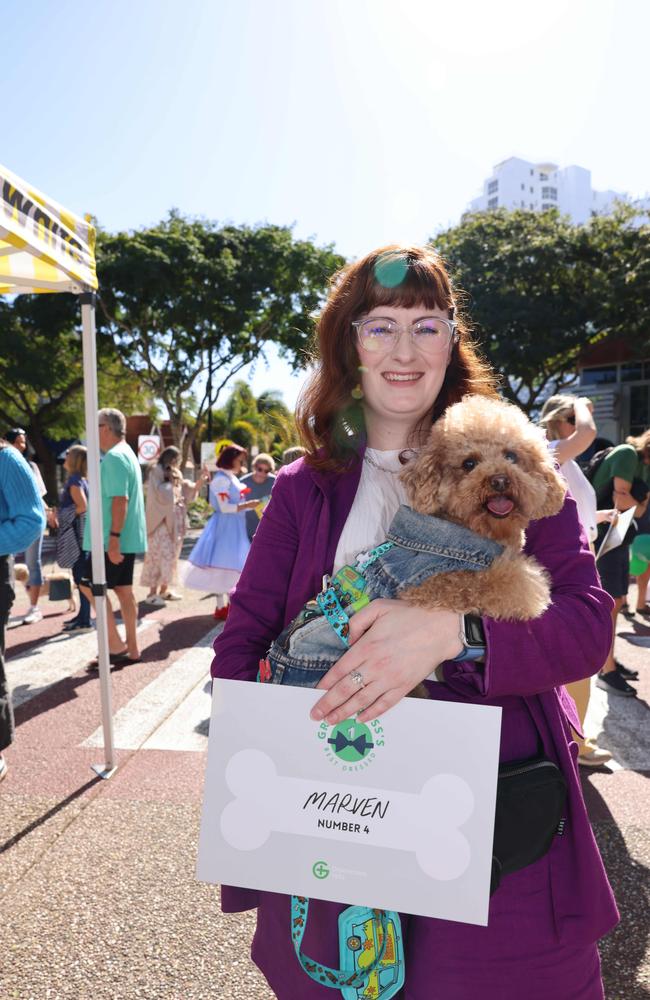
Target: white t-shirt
582,492
378,497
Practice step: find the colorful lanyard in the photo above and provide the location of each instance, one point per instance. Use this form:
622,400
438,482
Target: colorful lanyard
323,974
346,590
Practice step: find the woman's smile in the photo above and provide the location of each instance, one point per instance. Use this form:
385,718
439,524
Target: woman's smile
399,378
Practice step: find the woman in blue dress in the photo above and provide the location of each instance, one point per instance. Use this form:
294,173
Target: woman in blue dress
217,559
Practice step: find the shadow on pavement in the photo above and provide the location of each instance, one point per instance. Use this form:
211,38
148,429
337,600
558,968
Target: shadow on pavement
180,634
17,837
623,950
48,697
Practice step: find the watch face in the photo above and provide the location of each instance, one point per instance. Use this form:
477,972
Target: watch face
474,631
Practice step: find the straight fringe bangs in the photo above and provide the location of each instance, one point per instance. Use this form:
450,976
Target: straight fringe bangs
329,420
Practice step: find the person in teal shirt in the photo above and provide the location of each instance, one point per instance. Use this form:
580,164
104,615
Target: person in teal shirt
21,521
620,481
125,532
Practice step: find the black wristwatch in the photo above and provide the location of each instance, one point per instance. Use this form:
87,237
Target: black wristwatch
115,534
472,636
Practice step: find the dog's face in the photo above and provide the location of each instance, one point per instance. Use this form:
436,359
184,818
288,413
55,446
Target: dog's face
485,466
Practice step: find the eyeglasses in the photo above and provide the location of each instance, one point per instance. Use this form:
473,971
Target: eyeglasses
429,334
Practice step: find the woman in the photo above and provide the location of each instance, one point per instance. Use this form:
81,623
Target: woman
216,561
167,496
259,482
72,516
389,335
570,429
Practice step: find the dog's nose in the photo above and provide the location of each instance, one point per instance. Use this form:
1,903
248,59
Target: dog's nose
499,483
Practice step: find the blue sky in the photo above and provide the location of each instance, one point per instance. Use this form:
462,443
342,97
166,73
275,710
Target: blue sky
360,121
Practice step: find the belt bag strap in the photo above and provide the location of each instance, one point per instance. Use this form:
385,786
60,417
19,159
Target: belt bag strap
531,796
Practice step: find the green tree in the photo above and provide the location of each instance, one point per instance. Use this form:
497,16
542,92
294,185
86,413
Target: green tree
41,374
264,422
618,248
188,303
528,284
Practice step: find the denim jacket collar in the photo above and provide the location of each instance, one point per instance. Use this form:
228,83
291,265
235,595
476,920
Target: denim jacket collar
428,534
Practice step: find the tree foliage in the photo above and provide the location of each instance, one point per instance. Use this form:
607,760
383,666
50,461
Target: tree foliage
188,303
540,290
525,278
264,422
41,373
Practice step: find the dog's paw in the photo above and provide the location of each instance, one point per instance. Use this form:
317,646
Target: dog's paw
518,589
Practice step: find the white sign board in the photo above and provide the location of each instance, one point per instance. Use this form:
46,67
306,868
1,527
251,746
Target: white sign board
397,814
208,455
616,532
148,448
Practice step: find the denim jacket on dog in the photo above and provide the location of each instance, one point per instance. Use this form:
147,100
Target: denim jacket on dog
423,545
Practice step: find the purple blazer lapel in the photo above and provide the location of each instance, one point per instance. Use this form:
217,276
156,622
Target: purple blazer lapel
339,491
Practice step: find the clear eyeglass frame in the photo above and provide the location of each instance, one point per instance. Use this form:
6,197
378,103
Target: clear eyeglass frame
419,332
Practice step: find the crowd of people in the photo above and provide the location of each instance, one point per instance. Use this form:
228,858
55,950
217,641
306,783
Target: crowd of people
139,518
617,479
394,354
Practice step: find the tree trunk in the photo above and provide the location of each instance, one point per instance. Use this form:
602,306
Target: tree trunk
46,461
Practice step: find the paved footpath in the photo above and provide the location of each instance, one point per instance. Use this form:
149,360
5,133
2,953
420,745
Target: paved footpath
97,877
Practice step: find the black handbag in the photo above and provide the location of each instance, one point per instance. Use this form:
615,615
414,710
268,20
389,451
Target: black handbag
531,795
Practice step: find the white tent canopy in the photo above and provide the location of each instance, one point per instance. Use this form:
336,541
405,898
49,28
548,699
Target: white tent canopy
46,248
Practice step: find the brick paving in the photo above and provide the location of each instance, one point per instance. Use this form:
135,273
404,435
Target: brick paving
97,877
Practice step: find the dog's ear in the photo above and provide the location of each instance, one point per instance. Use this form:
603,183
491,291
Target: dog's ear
422,478
551,500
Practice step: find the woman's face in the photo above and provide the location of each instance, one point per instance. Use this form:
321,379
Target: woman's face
565,428
402,382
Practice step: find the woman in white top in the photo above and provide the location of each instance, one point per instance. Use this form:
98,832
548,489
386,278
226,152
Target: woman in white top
168,493
570,428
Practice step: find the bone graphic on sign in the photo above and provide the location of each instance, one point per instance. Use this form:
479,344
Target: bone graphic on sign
426,823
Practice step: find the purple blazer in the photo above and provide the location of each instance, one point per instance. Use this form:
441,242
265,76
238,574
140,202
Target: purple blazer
295,545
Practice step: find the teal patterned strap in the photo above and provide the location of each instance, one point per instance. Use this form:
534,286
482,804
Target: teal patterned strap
329,601
323,974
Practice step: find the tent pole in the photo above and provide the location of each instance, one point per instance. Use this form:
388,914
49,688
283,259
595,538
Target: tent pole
87,300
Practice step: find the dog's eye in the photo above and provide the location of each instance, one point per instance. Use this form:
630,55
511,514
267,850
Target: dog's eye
469,464
510,456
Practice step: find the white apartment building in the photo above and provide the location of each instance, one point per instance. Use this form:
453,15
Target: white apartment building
516,183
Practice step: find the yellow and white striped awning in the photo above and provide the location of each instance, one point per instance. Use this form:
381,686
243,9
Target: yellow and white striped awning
43,247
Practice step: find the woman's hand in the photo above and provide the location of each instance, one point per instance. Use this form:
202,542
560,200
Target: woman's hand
394,647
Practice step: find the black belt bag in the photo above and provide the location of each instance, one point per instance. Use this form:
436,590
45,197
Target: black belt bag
529,812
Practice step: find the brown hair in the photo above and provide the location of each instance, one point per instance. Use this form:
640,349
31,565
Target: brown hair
78,456
328,418
228,456
641,443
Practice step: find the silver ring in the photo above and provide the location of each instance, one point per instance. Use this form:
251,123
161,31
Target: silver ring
357,678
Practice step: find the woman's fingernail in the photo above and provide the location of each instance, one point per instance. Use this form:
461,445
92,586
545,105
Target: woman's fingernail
316,714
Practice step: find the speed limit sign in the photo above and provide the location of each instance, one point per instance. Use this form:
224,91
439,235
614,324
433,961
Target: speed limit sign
148,448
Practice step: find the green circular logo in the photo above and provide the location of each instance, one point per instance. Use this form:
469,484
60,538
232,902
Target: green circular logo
351,741
320,869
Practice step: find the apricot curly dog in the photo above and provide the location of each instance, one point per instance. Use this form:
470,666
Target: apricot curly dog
486,467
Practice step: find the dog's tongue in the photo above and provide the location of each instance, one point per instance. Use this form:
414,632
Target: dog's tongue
500,506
